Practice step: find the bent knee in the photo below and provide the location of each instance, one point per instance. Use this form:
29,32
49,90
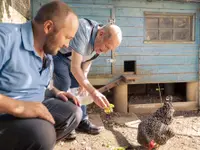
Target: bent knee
78,115
42,134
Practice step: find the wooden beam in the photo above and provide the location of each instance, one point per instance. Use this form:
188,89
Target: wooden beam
129,78
150,108
118,81
111,84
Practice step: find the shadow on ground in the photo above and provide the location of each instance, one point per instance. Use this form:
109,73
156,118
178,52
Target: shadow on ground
123,142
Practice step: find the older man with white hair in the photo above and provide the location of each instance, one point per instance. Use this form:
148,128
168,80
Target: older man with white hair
73,63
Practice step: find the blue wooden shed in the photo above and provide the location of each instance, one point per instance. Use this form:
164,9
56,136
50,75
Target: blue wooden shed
160,45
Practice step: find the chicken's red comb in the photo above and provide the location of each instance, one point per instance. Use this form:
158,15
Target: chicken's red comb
151,145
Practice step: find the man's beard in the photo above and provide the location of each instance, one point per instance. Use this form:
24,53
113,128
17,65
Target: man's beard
49,46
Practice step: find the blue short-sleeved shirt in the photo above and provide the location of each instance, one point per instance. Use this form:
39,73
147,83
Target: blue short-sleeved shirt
83,42
21,74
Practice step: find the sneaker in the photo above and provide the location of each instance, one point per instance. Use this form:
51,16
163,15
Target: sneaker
71,136
87,127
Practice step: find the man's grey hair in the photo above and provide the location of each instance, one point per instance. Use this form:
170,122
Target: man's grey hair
111,30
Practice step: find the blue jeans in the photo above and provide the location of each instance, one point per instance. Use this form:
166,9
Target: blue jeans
36,133
63,78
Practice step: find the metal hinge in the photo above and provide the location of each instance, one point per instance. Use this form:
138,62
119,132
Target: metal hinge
111,21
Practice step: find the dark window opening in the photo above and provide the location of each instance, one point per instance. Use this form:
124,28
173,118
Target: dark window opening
130,66
149,93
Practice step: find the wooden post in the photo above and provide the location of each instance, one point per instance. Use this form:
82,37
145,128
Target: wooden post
192,91
121,98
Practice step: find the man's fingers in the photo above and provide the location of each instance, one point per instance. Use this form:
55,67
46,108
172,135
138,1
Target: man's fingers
106,102
45,114
101,103
48,118
51,119
63,97
69,95
76,101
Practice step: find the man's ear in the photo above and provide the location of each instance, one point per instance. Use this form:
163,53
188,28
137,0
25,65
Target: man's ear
48,26
101,33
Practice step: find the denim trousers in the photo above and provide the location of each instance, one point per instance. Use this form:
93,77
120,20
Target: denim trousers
38,134
63,78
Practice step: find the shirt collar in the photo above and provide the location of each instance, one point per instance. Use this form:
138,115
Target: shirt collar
27,36
94,34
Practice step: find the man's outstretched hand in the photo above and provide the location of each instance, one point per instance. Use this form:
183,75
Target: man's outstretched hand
100,99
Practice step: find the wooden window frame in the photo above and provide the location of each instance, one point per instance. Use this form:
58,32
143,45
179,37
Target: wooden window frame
192,21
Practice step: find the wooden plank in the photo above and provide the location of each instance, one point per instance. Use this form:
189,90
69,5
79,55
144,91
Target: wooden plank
159,69
108,54
130,21
132,41
89,1
136,12
168,45
157,4
167,69
167,78
87,11
102,61
112,84
129,78
150,108
139,12
99,19
102,79
136,3
35,5
158,60
139,41
157,51
132,31
166,6
100,70
145,79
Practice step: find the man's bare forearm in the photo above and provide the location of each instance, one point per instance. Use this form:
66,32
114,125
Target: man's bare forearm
77,71
8,105
86,68
53,90
82,80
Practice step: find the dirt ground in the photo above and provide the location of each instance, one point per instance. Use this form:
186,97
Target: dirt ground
120,131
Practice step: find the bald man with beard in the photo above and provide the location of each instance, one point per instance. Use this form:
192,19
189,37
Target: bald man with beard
72,64
27,121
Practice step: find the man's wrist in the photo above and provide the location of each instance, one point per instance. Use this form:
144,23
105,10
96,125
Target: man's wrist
55,91
15,108
93,92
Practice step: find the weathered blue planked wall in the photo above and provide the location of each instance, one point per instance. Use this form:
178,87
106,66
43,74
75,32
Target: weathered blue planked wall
154,62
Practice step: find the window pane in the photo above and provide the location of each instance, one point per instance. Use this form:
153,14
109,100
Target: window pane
165,23
181,22
152,22
182,34
166,34
169,27
152,35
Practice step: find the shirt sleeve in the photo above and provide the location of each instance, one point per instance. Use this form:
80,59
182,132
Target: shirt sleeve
3,52
81,39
